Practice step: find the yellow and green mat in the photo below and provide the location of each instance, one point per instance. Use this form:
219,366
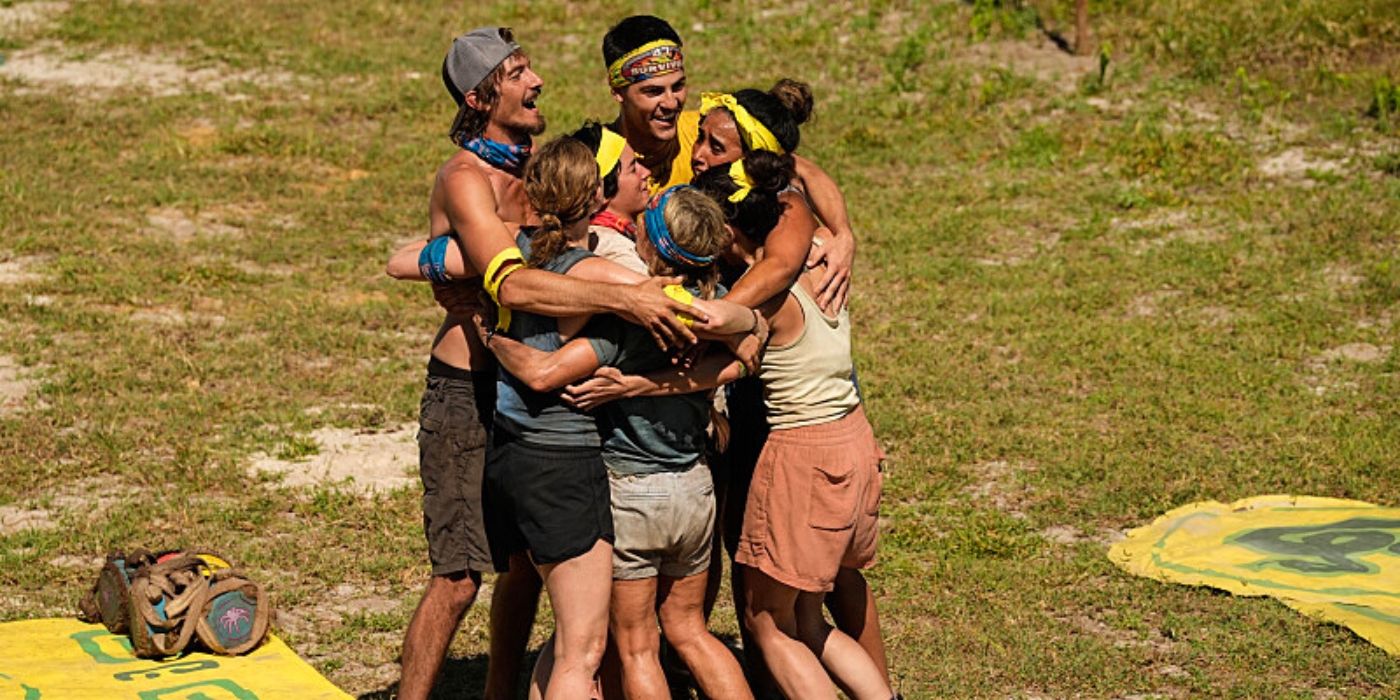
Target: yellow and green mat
66,659
1335,559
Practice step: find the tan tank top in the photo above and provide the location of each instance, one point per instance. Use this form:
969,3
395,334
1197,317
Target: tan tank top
808,381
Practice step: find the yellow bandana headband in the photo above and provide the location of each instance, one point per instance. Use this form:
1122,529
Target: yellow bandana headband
740,178
758,136
609,152
646,61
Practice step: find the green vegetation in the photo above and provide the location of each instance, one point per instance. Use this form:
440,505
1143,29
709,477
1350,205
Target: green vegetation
1088,290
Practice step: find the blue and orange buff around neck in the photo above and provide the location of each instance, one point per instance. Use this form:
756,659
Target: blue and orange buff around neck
502,156
660,235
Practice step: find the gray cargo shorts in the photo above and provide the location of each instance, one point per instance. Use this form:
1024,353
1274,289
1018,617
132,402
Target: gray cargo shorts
663,521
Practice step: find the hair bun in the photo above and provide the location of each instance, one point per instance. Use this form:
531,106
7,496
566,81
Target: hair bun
770,173
796,97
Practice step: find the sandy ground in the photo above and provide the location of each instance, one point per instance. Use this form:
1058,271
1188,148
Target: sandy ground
364,461
52,67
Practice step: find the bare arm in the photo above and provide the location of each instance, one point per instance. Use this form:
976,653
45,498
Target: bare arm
471,211
608,384
544,371
725,318
403,264
784,255
838,250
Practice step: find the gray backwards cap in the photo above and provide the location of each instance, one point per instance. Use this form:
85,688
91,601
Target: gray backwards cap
473,56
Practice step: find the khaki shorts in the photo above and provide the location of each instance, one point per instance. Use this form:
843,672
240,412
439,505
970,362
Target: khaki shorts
664,522
814,504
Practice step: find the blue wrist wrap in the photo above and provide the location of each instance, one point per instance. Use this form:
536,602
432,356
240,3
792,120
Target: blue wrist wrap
432,261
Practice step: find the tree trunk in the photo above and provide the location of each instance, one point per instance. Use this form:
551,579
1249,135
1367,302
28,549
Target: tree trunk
1081,27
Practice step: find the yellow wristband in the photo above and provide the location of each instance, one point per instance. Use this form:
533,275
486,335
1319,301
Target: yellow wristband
501,267
505,262
679,293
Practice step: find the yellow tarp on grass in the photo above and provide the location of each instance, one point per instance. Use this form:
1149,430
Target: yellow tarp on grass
1330,558
66,659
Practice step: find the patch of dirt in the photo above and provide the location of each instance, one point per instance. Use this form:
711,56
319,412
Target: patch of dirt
1069,534
249,267
1150,304
29,16
351,600
1015,247
1341,276
172,317
996,483
1384,319
1295,163
1038,58
93,495
370,461
51,67
1167,226
1365,353
21,270
15,519
69,561
1324,373
16,382
1094,625
199,133
180,226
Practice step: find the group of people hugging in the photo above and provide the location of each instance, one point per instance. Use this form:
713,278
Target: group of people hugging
645,364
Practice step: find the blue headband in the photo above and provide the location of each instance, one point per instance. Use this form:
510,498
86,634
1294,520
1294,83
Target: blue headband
660,235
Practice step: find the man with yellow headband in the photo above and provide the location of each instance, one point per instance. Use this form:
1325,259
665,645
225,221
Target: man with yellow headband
646,73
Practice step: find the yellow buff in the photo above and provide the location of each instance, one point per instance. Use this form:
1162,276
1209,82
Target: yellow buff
609,152
646,61
506,262
679,293
740,178
755,133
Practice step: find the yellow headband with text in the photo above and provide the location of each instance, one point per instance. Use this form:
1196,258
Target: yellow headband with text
609,152
646,61
757,135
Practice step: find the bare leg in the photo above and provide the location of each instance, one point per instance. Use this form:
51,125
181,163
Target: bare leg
610,672
715,575
844,659
759,675
681,604
579,590
430,631
852,606
771,615
544,665
513,606
633,628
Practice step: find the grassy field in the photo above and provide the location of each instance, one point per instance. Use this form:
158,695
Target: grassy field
1088,290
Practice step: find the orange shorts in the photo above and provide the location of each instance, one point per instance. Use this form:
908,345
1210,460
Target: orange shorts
814,504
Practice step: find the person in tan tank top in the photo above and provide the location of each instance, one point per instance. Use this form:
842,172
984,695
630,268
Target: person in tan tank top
813,508
810,521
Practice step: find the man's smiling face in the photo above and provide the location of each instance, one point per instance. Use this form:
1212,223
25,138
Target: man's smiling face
515,103
651,106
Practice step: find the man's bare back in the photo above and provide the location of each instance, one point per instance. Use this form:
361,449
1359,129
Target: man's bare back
454,344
